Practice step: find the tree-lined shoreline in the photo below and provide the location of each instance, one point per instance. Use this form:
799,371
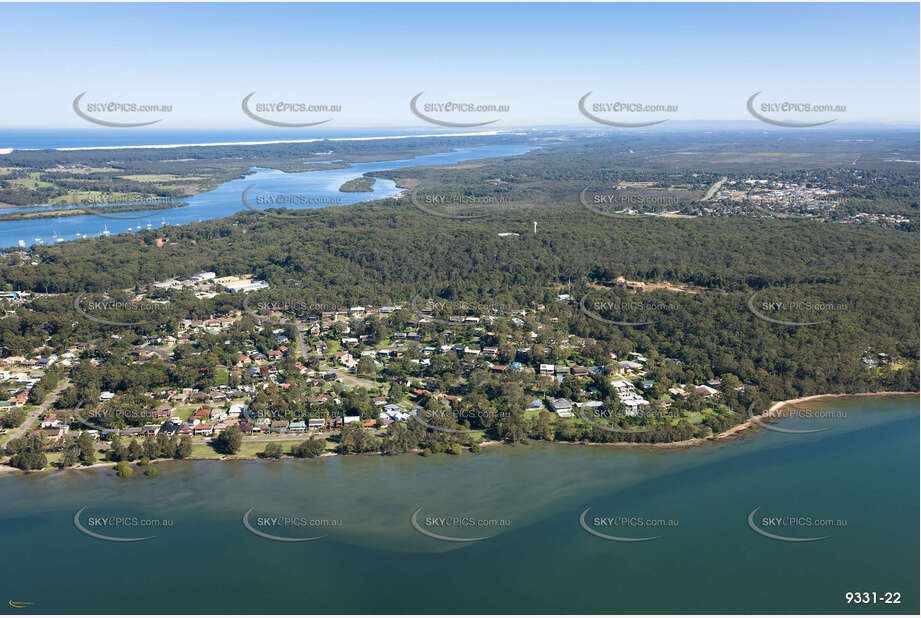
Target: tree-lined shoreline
733,432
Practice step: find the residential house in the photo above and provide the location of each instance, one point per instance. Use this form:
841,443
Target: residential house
169,428
707,392
562,407
297,427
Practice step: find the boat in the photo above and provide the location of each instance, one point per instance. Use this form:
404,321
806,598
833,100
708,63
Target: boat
105,230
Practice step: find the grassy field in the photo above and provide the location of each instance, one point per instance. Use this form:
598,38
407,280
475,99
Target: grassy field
221,375
252,449
30,183
156,177
184,413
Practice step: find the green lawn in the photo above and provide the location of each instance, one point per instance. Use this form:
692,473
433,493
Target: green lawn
252,449
221,376
184,413
477,435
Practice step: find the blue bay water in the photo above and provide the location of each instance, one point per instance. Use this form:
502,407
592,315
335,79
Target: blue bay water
863,470
314,187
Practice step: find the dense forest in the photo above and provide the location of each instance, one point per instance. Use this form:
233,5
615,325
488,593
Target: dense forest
393,252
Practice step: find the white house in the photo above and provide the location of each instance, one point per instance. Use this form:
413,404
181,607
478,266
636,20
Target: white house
633,404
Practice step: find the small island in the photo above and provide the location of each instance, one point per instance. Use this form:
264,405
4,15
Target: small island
364,184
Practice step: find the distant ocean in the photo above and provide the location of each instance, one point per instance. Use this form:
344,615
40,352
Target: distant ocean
75,138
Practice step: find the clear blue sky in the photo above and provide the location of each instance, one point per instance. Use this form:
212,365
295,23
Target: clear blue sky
537,58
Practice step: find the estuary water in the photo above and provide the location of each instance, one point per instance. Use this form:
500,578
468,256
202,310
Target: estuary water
853,485
268,188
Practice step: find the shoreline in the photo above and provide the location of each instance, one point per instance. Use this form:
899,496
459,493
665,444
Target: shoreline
732,432
4,151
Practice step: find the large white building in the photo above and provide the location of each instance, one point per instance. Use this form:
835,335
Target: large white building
629,397
246,286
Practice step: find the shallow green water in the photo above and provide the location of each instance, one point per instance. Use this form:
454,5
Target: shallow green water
863,471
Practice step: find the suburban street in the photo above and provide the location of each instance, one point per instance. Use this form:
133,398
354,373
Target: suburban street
713,189
33,416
